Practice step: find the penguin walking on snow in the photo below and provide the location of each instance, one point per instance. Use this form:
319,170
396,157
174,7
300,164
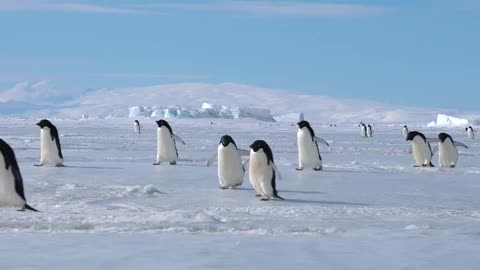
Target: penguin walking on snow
230,166
308,152
11,182
470,132
50,149
369,131
405,131
363,130
262,171
422,151
166,144
447,151
136,127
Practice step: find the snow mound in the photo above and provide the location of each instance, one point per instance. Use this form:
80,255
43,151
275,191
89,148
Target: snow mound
206,111
446,120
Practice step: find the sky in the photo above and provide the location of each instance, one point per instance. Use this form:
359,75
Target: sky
417,53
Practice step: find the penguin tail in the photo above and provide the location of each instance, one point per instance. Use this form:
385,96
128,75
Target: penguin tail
28,207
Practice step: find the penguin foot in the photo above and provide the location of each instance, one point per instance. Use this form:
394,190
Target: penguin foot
264,199
223,187
299,169
38,165
318,168
156,163
59,165
173,163
258,195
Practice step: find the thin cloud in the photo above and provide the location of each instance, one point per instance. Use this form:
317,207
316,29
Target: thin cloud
62,6
153,76
271,8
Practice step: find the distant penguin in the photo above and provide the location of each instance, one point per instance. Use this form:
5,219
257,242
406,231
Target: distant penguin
363,130
230,166
308,152
422,151
470,132
369,131
166,146
447,151
11,182
50,149
262,170
137,127
405,131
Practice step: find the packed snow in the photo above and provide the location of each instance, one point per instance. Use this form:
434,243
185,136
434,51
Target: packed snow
446,120
110,208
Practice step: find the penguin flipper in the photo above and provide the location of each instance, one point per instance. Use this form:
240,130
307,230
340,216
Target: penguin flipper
178,139
246,164
243,152
320,140
212,160
459,144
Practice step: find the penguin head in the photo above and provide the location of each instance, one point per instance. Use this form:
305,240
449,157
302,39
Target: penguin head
303,124
163,123
405,126
7,154
413,134
261,145
226,140
44,123
444,136
136,122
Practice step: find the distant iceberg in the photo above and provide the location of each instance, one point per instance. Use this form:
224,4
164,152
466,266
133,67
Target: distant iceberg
206,111
446,120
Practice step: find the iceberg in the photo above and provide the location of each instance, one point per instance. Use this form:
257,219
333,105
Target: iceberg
446,120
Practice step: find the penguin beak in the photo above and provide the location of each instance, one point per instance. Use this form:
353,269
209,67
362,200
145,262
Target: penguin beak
38,124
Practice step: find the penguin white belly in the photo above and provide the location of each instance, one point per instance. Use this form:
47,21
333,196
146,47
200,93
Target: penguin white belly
48,149
405,132
166,149
369,132
471,135
8,193
447,155
363,132
308,156
136,128
261,174
230,167
421,152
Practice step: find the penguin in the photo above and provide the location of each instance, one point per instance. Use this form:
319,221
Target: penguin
422,151
363,130
308,152
262,171
11,182
369,131
470,132
405,131
166,144
136,127
230,166
50,149
447,151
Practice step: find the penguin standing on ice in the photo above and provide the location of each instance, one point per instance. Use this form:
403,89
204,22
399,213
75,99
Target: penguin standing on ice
369,131
166,144
230,166
422,151
447,150
50,149
363,130
11,182
405,131
262,171
136,127
470,132
308,152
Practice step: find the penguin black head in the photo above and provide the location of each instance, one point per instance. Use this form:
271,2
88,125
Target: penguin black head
226,140
163,123
369,126
303,124
443,136
261,144
404,126
136,121
45,123
8,154
413,134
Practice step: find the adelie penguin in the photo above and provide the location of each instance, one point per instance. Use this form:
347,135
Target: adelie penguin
447,150
369,130
230,166
11,182
50,149
470,132
262,171
308,152
136,127
363,130
405,131
166,144
422,151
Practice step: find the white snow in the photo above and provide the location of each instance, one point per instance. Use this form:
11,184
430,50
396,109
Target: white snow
110,208
446,120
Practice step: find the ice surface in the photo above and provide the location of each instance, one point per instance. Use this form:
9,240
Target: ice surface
446,120
110,208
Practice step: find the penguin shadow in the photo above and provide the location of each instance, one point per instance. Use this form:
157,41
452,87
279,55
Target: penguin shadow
353,171
290,191
325,202
90,167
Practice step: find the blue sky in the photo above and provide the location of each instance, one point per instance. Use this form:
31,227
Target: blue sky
420,53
